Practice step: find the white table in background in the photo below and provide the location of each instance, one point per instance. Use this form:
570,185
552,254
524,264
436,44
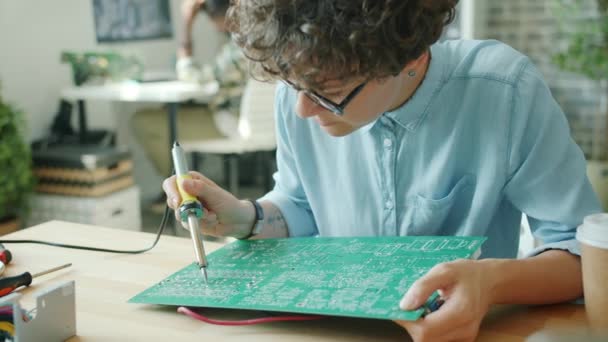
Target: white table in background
170,93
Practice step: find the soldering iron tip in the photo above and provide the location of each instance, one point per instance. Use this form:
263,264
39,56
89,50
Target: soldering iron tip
204,272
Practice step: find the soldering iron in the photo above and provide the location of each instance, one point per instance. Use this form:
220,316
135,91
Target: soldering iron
190,209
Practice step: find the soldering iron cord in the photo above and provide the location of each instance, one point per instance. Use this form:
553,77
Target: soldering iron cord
161,227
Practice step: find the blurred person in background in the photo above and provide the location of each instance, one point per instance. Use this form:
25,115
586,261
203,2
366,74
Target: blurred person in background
214,119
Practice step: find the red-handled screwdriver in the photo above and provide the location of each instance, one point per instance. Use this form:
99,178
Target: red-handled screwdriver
5,255
9,284
5,258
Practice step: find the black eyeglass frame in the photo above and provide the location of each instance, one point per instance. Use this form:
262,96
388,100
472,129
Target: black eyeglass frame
336,108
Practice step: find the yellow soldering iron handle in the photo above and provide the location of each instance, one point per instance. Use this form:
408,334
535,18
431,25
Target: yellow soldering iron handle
190,204
186,197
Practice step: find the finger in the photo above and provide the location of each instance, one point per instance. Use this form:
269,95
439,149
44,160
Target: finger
170,188
200,188
451,316
436,329
205,181
208,223
200,176
210,227
210,219
172,203
438,277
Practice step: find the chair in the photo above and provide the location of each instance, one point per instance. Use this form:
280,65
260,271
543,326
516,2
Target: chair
255,134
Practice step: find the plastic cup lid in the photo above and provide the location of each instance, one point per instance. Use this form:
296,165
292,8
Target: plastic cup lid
594,230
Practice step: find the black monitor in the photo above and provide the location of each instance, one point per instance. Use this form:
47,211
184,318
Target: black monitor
129,20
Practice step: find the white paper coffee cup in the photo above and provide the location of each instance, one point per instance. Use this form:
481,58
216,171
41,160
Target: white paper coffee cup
593,236
594,231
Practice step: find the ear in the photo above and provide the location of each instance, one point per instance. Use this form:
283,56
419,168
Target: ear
417,63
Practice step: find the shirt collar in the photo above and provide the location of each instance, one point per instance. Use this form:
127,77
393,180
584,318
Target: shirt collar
369,126
413,110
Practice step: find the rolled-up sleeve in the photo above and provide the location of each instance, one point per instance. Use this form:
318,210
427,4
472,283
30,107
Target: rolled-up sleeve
288,194
547,170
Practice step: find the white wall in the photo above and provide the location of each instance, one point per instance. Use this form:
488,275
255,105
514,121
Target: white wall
32,35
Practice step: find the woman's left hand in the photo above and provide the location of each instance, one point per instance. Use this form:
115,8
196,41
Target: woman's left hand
466,287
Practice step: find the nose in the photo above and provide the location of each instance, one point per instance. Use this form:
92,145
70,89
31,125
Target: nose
306,108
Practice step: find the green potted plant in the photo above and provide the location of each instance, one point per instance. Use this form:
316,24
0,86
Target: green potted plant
586,53
16,177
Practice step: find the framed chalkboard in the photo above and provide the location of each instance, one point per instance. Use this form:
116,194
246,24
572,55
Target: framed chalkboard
128,20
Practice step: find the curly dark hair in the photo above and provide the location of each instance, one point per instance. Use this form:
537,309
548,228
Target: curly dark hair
313,41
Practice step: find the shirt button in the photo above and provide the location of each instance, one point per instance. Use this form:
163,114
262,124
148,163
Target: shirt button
389,205
388,143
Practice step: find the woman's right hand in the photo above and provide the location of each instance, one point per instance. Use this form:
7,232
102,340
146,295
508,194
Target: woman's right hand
223,213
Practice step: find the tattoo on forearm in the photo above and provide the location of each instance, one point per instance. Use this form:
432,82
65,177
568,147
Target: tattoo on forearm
274,222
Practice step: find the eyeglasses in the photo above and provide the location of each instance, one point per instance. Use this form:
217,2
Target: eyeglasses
336,108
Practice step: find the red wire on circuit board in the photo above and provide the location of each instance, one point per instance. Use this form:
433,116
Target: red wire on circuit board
184,310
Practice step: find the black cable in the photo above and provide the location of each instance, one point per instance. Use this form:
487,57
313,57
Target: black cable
163,223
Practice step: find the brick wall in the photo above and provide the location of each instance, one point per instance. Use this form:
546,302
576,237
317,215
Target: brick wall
532,28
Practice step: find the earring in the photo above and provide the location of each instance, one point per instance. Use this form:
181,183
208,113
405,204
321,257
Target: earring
411,73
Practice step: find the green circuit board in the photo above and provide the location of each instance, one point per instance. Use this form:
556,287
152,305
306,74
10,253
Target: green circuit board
357,277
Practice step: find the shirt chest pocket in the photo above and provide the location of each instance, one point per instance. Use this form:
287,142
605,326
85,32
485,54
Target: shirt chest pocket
441,214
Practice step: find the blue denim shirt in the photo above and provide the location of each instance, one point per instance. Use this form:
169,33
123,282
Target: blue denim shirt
481,142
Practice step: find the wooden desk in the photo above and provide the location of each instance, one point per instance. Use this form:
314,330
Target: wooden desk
104,283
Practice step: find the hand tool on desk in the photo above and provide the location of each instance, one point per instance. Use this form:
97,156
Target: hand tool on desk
190,210
9,284
5,258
